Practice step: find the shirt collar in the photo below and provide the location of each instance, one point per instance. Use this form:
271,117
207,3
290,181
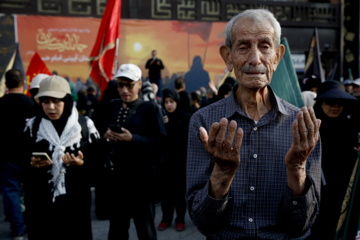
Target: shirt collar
233,106
131,104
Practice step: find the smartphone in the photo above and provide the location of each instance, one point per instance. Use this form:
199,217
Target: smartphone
163,112
43,156
115,128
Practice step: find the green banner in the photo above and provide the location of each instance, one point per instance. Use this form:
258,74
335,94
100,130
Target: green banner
285,82
348,227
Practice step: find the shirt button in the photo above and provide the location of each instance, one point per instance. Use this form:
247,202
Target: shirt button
255,155
294,202
255,128
251,220
252,188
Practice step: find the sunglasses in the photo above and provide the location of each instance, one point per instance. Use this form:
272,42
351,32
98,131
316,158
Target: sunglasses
127,85
332,102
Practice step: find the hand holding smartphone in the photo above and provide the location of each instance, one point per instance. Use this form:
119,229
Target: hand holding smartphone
115,128
43,155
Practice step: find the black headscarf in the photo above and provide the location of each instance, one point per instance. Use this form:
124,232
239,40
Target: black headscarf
333,91
167,92
61,122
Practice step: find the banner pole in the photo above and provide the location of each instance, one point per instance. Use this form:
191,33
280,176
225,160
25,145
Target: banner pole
116,55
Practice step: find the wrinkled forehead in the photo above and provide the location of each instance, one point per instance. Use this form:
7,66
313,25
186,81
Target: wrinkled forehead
248,29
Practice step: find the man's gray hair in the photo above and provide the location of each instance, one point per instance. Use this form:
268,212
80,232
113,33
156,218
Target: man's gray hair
257,15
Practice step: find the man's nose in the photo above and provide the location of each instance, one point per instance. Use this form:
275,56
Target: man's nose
255,56
124,90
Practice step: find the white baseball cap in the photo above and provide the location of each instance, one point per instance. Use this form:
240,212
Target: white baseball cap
130,71
35,82
356,82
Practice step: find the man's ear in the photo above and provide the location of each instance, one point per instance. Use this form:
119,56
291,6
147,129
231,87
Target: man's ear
225,53
279,54
140,83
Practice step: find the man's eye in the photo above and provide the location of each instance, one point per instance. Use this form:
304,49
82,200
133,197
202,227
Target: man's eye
266,46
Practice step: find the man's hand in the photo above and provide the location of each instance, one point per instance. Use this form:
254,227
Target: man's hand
225,152
305,136
125,136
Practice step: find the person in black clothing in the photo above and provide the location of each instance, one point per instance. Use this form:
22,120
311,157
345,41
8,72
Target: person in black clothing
224,91
133,132
15,108
173,171
81,103
155,65
87,101
102,188
185,96
338,133
230,80
57,192
196,101
92,99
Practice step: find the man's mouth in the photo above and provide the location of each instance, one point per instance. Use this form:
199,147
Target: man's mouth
254,73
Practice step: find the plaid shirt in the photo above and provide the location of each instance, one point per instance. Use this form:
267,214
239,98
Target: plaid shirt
259,204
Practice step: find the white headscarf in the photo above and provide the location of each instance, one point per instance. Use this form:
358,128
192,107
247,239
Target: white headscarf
70,137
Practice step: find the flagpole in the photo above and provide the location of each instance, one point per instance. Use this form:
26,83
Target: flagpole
188,43
206,47
15,29
116,55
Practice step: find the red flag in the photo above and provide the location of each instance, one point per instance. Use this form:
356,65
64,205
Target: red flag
35,67
103,53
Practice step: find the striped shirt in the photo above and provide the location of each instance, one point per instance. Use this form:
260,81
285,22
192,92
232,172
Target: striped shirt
259,204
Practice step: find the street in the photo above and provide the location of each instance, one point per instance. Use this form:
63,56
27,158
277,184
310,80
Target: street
100,228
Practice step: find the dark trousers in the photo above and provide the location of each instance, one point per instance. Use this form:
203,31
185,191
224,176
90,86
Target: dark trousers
143,214
11,193
67,218
173,202
102,194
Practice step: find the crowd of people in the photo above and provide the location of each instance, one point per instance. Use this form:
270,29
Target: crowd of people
337,105
243,162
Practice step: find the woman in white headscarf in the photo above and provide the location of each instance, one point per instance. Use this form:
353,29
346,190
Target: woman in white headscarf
57,190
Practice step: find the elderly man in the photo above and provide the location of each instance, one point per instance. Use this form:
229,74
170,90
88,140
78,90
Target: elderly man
253,167
134,130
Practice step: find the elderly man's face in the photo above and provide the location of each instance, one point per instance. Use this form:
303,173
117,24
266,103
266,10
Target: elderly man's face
253,57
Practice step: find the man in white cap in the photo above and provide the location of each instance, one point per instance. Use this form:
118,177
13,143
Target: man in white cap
134,130
35,84
356,88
